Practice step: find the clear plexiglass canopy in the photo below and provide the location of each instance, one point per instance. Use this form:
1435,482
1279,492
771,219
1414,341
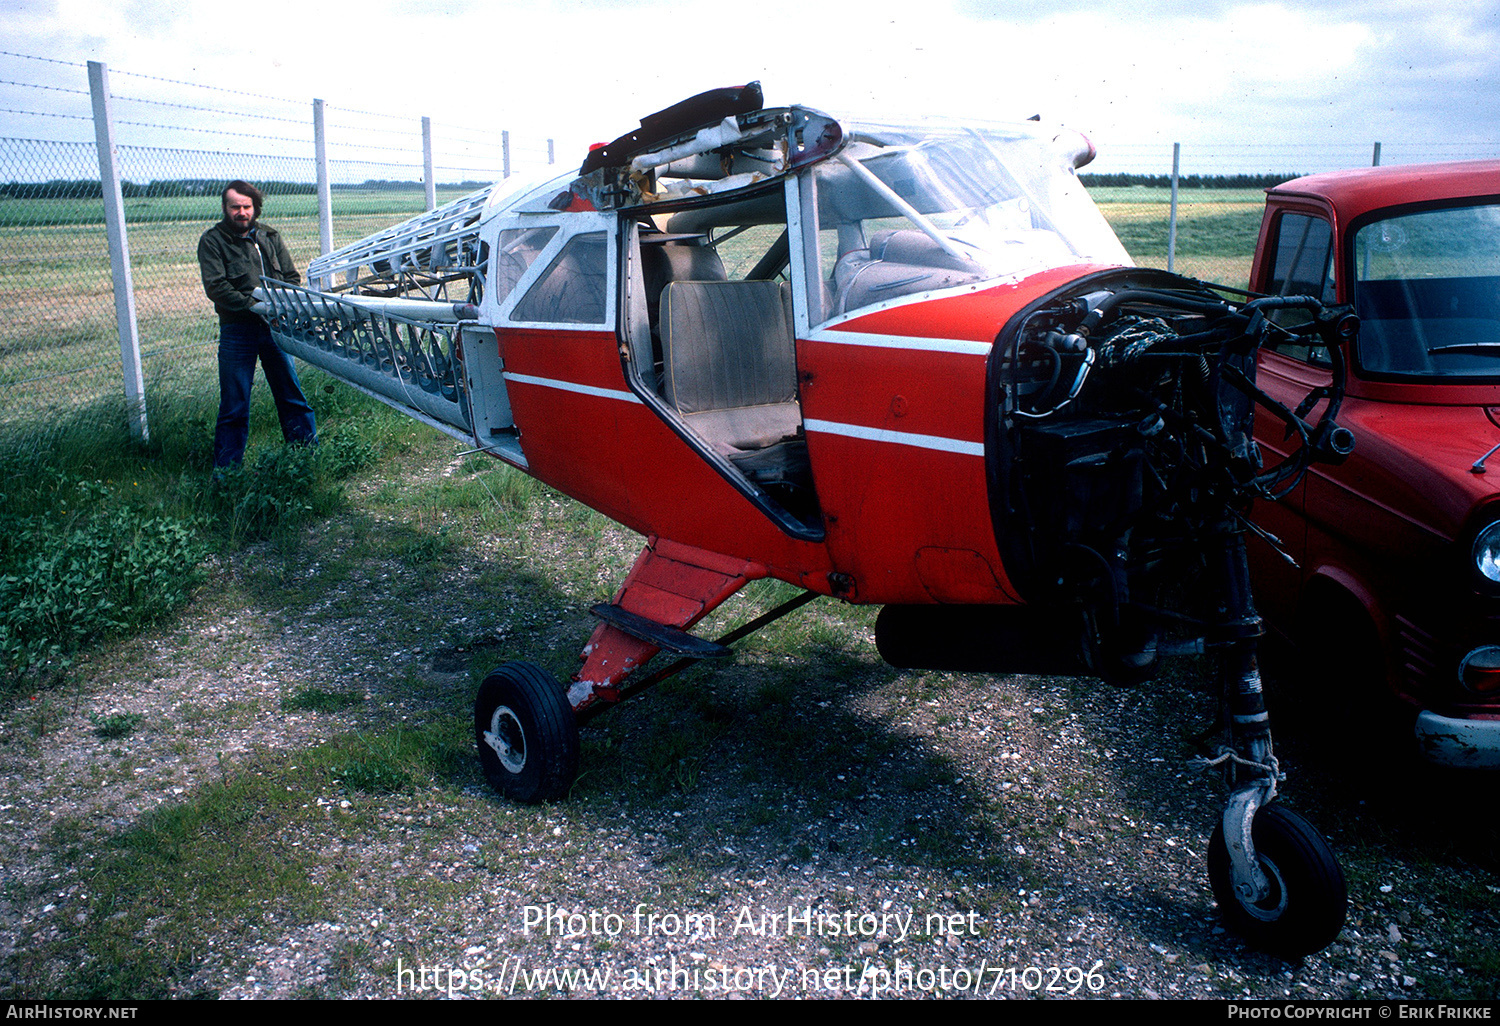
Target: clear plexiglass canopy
903,210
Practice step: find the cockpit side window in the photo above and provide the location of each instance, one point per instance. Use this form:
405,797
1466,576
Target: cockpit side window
574,289
517,250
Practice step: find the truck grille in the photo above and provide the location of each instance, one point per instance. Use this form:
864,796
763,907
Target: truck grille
1417,653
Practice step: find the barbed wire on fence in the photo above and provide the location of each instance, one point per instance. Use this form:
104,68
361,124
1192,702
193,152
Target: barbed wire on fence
351,130
44,60
45,114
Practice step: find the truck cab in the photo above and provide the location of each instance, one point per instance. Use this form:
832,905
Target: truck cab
1389,569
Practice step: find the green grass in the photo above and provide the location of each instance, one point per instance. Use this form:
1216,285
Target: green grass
804,752
1217,229
59,347
115,725
320,700
1185,197
226,863
102,536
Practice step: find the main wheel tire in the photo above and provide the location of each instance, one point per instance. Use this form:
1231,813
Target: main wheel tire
526,734
1305,910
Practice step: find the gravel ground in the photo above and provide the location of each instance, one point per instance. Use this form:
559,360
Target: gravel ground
804,822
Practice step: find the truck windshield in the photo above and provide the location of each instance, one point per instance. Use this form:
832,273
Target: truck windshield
907,210
1427,291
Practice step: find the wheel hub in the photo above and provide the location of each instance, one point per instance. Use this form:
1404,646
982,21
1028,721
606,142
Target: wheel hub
1273,906
507,739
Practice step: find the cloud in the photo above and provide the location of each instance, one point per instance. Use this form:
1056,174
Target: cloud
1293,74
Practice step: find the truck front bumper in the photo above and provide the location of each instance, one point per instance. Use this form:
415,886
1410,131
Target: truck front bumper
1462,744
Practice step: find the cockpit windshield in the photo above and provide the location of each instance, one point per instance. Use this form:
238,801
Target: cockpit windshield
1427,291
908,210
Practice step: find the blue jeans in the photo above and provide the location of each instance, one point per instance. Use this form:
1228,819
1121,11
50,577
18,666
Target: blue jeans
239,347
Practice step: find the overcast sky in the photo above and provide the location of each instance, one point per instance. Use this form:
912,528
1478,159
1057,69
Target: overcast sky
1288,86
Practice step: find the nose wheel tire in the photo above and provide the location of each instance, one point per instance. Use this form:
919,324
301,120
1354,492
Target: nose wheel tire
1304,909
526,734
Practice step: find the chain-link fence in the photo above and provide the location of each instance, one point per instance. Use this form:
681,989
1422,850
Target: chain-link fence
1215,230
57,317
1221,195
60,343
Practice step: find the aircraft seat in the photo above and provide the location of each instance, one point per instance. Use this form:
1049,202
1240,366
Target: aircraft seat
730,362
667,258
897,263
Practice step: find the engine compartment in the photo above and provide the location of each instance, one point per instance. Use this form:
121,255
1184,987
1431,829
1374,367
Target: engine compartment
1121,461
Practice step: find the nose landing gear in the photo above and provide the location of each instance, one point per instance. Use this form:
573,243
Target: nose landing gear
1275,878
1301,908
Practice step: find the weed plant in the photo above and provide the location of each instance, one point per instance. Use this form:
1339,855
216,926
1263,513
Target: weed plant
102,535
114,726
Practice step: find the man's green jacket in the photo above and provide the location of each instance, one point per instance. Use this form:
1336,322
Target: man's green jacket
232,266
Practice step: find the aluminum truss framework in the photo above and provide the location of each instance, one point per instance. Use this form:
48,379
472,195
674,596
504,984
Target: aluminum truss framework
415,361
419,257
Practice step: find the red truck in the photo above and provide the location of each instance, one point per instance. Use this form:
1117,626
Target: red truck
1389,569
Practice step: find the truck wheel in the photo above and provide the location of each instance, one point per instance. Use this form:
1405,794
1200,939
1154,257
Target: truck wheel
526,734
1352,704
1305,910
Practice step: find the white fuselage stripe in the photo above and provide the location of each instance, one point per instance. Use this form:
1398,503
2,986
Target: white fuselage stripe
934,442
925,345
869,434
573,386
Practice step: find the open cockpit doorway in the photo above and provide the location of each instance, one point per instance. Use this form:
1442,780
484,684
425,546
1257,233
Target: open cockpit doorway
708,339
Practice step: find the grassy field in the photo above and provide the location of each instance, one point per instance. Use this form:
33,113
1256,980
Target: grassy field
1216,229
58,345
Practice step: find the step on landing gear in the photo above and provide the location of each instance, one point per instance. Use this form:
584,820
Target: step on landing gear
526,723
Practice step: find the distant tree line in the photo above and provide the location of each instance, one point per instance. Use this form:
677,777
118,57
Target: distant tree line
384,185
84,188
1261,181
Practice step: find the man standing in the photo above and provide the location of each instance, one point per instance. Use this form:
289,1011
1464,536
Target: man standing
233,255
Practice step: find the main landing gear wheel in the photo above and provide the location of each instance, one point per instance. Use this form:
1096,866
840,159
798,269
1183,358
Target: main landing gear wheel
526,733
1304,910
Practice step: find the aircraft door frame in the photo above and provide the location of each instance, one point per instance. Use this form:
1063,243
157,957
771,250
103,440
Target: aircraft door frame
634,330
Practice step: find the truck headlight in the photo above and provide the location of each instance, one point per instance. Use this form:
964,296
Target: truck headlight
1487,553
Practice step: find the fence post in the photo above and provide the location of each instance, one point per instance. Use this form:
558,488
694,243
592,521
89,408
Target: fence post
551,157
505,150
119,254
1375,158
427,182
1172,220
325,194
